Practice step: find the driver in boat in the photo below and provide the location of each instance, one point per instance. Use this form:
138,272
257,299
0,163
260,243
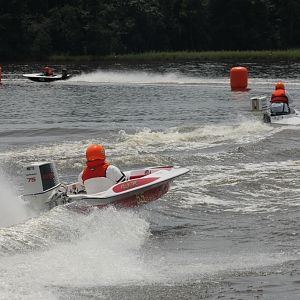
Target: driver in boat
280,101
48,71
64,73
99,175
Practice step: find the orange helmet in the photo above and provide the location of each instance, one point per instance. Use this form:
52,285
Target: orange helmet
279,86
95,152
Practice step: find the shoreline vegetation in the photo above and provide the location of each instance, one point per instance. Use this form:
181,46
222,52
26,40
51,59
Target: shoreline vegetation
293,54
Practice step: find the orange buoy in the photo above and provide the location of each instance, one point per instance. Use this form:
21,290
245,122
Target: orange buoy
239,79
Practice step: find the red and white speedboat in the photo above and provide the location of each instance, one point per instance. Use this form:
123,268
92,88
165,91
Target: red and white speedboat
43,190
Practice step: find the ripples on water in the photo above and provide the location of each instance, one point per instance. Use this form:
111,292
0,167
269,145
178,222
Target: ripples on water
229,228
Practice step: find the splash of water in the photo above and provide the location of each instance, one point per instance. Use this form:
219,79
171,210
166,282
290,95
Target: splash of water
139,77
12,209
63,248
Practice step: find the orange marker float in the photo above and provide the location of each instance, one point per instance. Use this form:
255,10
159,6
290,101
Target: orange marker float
239,79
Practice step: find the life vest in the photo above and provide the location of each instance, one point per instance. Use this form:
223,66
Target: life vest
279,96
48,71
96,168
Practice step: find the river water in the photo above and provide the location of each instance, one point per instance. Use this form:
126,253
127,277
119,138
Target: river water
228,229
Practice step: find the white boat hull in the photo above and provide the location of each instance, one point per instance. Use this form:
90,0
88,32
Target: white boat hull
144,186
135,191
289,119
43,78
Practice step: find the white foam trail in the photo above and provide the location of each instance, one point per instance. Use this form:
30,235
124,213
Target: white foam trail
12,209
142,77
204,136
268,198
144,145
192,199
138,77
216,263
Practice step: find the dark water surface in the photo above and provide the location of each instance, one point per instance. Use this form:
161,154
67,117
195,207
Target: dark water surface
229,229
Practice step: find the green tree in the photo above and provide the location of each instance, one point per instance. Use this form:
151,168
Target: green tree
237,24
66,30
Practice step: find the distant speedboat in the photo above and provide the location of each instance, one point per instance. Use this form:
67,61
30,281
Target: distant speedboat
263,104
292,118
40,77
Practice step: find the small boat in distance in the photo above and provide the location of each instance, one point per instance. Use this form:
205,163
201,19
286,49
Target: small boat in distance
292,117
41,77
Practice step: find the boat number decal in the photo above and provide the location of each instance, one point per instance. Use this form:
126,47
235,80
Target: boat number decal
140,198
127,185
31,179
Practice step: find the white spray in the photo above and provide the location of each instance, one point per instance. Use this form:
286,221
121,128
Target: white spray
140,77
12,209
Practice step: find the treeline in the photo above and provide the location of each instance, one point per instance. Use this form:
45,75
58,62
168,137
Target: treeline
38,28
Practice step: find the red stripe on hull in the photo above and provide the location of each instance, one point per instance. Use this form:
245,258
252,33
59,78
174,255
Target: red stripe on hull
141,198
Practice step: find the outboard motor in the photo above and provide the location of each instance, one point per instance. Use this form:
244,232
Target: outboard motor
41,185
259,103
64,73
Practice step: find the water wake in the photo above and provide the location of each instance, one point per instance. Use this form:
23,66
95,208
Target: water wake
12,209
251,187
64,248
204,136
139,77
143,145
